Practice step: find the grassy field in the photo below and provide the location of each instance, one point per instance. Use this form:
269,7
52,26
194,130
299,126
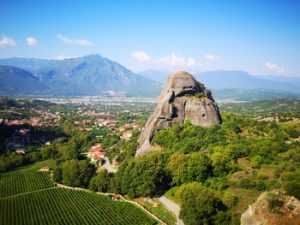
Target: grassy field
29,197
158,209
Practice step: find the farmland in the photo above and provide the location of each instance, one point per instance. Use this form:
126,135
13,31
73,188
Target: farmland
23,181
29,197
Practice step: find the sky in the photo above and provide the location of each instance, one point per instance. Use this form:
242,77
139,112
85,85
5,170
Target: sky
257,36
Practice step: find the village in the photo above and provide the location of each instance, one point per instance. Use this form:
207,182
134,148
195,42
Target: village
31,131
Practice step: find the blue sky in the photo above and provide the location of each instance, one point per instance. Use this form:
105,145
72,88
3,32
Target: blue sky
261,37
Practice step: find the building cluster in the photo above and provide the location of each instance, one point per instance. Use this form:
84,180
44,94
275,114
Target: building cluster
22,135
44,119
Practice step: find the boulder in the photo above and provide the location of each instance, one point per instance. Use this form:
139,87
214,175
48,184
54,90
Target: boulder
273,208
182,98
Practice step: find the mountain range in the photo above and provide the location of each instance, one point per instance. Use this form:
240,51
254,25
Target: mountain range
95,75
88,75
239,84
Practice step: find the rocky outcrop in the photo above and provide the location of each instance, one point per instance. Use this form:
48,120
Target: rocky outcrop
182,98
273,208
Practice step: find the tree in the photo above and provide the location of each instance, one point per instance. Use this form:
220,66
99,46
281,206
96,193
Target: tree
142,176
70,173
220,162
76,172
199,205
86,172
57,174
175,161
197,167
101,181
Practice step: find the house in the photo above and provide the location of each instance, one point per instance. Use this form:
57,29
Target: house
96,152
44,169
127,134
20,151
24,131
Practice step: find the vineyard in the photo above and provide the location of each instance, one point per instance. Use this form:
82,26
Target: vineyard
24,180
29,197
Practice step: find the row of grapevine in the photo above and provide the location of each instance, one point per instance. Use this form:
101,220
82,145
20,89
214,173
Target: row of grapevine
64,206
22,181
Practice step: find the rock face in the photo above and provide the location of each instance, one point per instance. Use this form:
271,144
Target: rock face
182,98
273,209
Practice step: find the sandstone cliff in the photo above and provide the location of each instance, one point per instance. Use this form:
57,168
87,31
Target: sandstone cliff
273,208
182,98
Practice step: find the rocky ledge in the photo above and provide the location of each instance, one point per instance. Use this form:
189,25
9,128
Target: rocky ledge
273,208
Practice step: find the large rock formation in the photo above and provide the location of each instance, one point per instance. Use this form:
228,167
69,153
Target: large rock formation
273,208
182,98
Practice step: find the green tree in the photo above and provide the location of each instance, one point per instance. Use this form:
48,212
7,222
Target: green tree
197,167
142,176
199,205
70,173
86,172
101,181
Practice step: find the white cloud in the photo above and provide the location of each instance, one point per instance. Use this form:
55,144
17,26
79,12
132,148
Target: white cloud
69,41
275,68
141,56
62,57
31,41
191,62
211,57
7,41
172,60
176,60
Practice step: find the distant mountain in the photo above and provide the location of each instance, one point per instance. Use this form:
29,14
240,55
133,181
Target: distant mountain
239,84
156,75
14,80
290,80
220,79
30,64
89,75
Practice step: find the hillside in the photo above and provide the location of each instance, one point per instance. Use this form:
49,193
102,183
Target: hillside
15,80
89,75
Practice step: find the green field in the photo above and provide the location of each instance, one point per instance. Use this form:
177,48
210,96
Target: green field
24,180
29,197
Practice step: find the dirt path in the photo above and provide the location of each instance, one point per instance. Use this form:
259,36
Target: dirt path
173,207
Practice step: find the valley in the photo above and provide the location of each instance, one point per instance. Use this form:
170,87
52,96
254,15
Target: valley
243,158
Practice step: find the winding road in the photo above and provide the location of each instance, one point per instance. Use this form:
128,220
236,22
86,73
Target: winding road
173,207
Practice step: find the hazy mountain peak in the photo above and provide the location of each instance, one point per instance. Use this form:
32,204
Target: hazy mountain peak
87,75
